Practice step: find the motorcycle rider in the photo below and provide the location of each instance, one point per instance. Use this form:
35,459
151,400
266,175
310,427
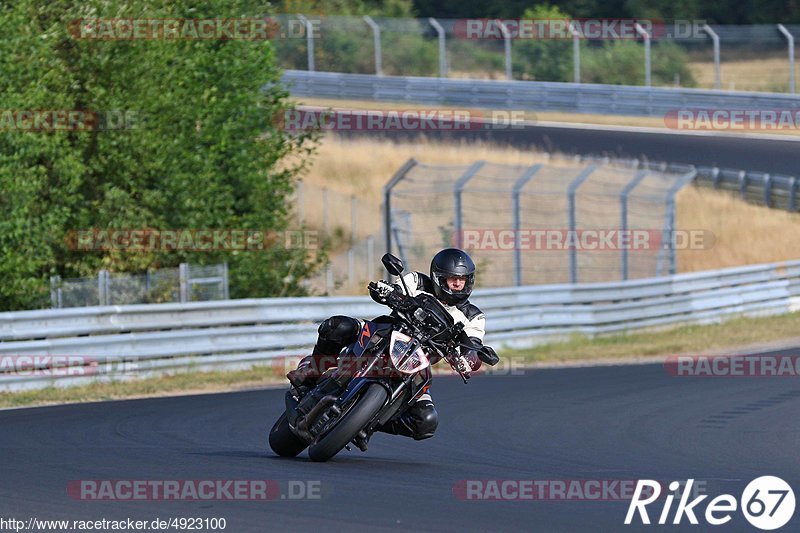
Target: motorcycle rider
452,276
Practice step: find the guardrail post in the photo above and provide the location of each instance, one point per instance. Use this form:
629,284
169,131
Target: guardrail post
715,177
387,200
646,36
624,212
571,190
790,39
793,194
717,71
743,184
309,41
518,185
507,47
183,276
576,53
442,46
458,188
376,34
768,190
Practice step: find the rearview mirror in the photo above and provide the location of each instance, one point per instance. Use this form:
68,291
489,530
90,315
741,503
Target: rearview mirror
394,265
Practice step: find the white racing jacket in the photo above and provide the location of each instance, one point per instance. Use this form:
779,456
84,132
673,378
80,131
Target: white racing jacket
473,318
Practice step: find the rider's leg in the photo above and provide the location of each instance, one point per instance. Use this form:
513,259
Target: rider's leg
335,333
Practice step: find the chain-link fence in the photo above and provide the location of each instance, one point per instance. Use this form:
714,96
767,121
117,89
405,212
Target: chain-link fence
681,53
544,223
187,283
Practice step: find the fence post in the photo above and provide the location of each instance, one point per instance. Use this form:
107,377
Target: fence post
351,275
518,185
458,188
576,53
309,41
325,212
646,36
670,222
507,47
790,39
353,218
572,189
370,256
301,200
55,292
183,276
103,287
387,200
225,287
442,48
376,32
626,191
717,71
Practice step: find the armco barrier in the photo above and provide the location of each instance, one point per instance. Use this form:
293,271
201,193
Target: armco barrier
165,338
528,95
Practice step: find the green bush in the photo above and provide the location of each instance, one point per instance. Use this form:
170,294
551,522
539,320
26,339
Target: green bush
206,151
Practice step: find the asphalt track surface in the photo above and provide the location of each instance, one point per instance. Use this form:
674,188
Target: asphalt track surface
774,154
601,423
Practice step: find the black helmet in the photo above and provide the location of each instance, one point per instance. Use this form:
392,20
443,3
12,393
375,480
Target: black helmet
447,263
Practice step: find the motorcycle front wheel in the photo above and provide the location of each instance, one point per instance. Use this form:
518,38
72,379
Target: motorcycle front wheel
349,424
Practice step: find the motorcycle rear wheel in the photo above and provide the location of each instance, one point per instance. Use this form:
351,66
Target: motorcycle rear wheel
283,441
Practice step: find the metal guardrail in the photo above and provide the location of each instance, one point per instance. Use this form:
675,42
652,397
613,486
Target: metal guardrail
772,190
164,338
528,95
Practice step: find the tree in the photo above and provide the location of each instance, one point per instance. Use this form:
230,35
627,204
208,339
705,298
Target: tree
203,149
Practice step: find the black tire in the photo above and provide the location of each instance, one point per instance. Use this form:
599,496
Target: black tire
283,441
350,424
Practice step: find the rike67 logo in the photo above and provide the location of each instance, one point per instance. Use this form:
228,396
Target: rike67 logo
767,503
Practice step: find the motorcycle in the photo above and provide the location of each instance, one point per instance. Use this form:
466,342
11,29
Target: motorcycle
379,376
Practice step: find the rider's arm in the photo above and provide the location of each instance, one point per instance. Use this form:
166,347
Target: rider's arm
475,330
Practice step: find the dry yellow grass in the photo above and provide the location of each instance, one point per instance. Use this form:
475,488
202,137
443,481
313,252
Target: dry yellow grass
744,233
770,74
